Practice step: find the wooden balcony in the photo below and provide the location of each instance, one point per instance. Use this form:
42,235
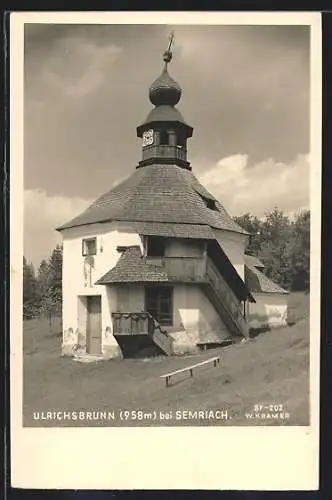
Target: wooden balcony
132,323
165,151
182,269
138,330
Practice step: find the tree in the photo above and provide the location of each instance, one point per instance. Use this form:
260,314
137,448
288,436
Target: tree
43,277
300,252
42,281
51,304
43,294
253,226
29,290
275,243
282,244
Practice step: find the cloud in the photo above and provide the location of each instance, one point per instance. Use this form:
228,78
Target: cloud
42,214
248,59
76,67
259,188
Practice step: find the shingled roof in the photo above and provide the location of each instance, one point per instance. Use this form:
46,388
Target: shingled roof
158,194
253,261
132,268
257,282
164,114
190,231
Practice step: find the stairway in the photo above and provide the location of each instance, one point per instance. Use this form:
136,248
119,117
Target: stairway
162,339
224,301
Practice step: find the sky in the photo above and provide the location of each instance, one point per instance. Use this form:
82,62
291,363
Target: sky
246,92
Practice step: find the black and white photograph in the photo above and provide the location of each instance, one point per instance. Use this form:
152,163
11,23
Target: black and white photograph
170,195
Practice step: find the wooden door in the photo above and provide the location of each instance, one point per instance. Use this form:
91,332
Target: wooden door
93,327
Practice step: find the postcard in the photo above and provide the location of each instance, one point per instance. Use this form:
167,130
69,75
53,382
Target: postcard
165,250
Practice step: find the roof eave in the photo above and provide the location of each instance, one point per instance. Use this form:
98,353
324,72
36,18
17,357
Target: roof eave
145,125
71,225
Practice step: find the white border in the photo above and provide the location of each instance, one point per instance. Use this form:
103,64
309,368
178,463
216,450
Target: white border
242,458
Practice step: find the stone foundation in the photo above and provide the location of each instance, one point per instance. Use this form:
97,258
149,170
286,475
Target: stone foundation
179,349
189,341
112,352
184,343
263,321
108,352
67,350
69,336
74,344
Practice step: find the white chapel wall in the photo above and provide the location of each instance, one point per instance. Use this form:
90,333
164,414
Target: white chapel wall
195,319
270,309
233,244
76,279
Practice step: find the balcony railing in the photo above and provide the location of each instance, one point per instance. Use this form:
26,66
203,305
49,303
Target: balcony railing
132,323
165,151
128,326
181,268
135,323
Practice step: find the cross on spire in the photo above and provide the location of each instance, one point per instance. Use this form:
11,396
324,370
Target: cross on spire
171,39
168,54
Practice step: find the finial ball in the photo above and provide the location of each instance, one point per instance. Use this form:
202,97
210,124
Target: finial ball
167,56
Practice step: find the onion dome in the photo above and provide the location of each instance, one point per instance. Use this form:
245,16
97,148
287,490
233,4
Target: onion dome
165,91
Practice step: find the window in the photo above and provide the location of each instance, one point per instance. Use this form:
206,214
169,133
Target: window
159,303
155,246
181,142
163,137
209,202
89,246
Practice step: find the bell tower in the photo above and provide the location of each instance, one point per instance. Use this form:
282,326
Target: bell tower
164,133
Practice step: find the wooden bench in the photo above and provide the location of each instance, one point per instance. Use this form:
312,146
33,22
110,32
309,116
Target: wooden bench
167,376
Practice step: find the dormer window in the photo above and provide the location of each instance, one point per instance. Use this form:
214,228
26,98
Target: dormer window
155,246
209,202
89,246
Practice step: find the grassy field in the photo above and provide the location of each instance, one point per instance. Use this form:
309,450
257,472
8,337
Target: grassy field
273,368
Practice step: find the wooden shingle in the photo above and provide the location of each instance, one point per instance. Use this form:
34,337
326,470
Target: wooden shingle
257,282
157,194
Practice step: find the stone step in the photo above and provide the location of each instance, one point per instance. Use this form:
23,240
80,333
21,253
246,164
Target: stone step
89,358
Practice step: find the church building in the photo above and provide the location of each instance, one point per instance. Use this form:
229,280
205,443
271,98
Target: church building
157,262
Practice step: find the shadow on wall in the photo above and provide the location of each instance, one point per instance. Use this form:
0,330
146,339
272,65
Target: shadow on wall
197,324
211,329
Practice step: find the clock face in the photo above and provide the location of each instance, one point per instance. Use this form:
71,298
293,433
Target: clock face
148,138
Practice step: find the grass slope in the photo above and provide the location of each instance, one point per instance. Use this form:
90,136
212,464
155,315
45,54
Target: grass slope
273,368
